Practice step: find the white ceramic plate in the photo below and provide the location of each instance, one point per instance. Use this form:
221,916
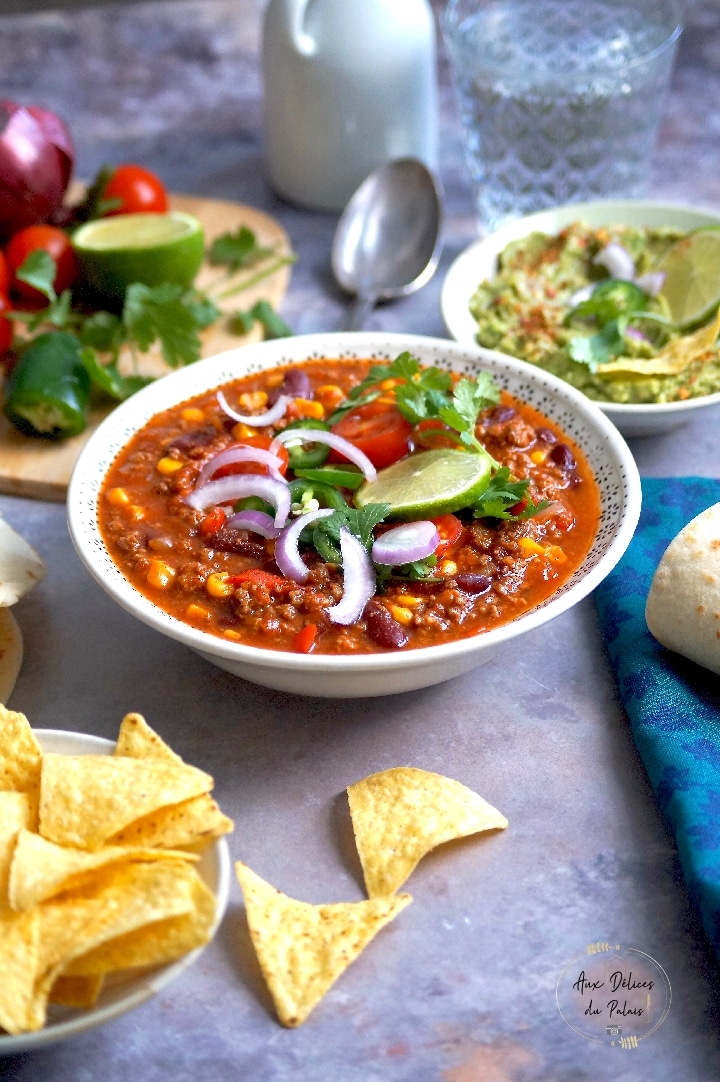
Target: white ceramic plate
479,261
395,670
123,996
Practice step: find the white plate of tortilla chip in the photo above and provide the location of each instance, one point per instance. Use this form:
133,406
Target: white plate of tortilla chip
125,991
683,605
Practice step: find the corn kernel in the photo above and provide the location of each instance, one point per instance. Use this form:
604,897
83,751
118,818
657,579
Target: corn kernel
197,613
253,400
241,431
330,395
230,634
538,456
217,584
530,547
305,407
160,575
386,399
448,567
400,613
388,384
118,497
275,379
555,554
168,466
193,415
408,599
137,513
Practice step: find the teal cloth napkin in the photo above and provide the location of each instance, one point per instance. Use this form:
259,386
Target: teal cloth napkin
673,705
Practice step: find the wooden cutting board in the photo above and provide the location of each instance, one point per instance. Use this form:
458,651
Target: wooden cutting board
42,468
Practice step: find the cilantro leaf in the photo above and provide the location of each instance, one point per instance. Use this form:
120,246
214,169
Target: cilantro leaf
160,314
38,269
599,348
502,495
263,312
238,249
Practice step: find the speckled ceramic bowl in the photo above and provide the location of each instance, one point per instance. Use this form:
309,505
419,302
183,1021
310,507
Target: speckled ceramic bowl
369,674
119,994
479,261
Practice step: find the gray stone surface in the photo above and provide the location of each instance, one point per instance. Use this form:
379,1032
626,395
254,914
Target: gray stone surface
461,988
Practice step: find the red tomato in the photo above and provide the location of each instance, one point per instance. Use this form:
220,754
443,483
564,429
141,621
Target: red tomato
258,440
139,191
450,529
4,275
45,238
378,429
6,327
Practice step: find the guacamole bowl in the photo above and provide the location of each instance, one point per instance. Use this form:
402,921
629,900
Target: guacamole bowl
479,263
357,674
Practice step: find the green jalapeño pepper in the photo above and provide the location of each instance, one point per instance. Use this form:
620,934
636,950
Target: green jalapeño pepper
302,456
610,299
48,391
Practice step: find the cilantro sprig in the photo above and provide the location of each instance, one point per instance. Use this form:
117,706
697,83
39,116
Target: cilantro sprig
506,499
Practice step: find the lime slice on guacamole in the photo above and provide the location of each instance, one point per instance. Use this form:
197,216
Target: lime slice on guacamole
692,277
428,484
148,248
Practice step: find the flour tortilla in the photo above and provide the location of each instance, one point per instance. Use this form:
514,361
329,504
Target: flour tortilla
20,566
683,605
11,653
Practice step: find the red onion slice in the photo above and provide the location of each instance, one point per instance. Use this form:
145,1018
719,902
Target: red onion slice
256,521
256,420
232,455
403,544
617,261
338,443
239,485
651,283
287,555
358,580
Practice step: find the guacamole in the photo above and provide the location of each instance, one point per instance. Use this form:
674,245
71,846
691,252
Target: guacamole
546,306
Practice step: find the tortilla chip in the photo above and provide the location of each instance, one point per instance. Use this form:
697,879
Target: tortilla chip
18,965
82,991
303,949
672,359
15,816
157,943
138,741
20,566
11,653
20,753
119,900
85,799
41,869
683,604
192,822
399,815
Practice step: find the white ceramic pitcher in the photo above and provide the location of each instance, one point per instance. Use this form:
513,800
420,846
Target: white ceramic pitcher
348,85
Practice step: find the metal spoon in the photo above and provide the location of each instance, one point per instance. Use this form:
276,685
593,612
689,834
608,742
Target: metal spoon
387,242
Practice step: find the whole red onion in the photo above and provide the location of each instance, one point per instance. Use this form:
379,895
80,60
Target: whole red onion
36,162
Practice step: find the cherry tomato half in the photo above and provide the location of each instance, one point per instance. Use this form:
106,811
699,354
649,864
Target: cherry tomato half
6,327
433,433
4,275
450,529
138,190
258,440
45,238
378,429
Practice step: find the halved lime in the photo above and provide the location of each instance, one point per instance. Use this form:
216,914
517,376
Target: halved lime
692,277
148,248
428,484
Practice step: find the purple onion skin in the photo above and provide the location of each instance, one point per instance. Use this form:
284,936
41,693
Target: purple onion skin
36,162
383,629
297,384
473,584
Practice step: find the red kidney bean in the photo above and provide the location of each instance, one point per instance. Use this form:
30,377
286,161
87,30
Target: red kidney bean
563,457
546,435
201,437
473,584
230,540
296,383
383,629
501,414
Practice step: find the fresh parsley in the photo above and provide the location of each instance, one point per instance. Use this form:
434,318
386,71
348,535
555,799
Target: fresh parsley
502,496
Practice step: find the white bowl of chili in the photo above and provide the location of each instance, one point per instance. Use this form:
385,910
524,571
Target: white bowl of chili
140,499
638,404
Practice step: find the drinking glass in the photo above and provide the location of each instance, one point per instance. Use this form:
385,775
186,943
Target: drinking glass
560,100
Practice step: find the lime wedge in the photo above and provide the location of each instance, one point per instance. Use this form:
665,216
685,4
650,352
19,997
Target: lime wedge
428,484
148,248
692,277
